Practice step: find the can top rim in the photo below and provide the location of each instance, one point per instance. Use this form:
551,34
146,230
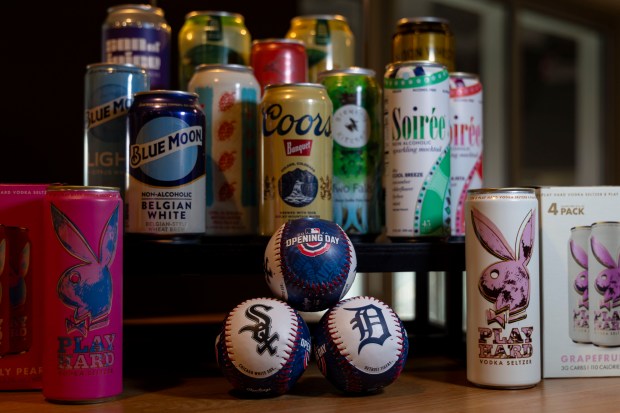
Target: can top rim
353,70
511,190
338,17
139,7
83,188
576,227
302,84
166,92
278,40
223,66
403,63
468,75
421,19
604,223
199,13
108,65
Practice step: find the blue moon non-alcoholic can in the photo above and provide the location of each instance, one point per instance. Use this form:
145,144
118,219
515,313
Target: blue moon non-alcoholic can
165,194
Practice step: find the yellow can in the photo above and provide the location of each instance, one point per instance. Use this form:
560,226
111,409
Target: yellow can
329,42
424,38
296,149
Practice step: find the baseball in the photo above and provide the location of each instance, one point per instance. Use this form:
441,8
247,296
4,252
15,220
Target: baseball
360,345
264,347
310,263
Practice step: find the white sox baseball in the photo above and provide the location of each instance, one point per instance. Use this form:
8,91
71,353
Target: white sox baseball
310,263
264,347
360,345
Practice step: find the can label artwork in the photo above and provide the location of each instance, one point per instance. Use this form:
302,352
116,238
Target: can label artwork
296,165
503,288
465,144
20,288
109,90
166,190
603,278
417,150
358,148
229,95
5,307
578,301
83,294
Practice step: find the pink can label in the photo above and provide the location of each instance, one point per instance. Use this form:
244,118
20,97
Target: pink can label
82,356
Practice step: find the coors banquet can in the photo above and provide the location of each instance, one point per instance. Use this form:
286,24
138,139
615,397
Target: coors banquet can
503,288
465,143
603,280
229,95
83,294
109,90
165,194
295,162
578,295
358,149
417,150
138,34
424,38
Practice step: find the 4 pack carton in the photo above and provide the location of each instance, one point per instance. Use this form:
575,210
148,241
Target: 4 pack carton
580,280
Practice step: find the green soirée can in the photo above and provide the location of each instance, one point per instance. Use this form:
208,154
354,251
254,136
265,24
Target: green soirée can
212,37
328,39
358,149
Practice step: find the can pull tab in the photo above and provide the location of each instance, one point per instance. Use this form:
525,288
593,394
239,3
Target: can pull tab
323,37
213,28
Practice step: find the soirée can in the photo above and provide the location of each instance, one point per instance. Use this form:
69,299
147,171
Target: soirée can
503,288
229,95
278,61
5,304
358,149
138,34
83,294
329,41
20,288
424,38
296,147
465,143
578,295
165,194
417,150
603,279
109,90
212,37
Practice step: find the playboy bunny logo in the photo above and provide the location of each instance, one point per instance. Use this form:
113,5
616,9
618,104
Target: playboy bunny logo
505,283
581,280
86,287
607,281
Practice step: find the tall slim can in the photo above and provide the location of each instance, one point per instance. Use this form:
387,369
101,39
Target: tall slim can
19,251
578,291
5,335
83,294
503,288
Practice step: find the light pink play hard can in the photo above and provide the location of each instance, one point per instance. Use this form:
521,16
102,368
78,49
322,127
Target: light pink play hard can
83,294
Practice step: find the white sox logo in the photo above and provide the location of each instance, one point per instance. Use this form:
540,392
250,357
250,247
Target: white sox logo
261,329
372,325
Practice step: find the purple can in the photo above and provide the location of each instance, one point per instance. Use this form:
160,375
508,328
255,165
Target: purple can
83,294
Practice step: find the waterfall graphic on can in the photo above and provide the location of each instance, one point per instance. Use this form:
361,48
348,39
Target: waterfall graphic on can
417,150
578,295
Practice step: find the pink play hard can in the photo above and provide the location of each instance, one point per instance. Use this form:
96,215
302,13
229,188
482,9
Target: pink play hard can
83,280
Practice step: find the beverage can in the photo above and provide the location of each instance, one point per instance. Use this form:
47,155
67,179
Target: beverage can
295,162
424,38
5,304
358,149
466,143
138,34
165,194
329,41
83,294
603,279
578,294
109,90
212,37
503,342
20,287
279,61
417,150
229,95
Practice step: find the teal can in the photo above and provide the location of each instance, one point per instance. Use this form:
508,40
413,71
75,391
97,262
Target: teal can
358,150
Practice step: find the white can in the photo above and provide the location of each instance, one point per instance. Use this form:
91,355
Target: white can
603,282
229,95
578,289
417,150
465,144
503,288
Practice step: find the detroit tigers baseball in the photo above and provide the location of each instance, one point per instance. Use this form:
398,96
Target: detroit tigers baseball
310,263
361,345
264,347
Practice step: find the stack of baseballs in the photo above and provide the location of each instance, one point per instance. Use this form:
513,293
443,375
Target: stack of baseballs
359,344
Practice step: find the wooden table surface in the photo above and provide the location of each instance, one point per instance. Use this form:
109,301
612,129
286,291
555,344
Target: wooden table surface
425,386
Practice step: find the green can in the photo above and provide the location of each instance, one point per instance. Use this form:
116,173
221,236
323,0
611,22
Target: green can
358,150
212,37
